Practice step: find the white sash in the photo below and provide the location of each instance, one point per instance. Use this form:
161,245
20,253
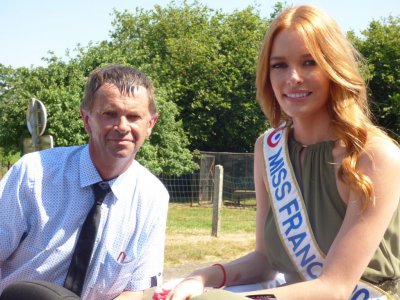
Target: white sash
291,217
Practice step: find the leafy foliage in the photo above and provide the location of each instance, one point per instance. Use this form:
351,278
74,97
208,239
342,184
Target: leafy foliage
206,62
203,64
380,45
60,86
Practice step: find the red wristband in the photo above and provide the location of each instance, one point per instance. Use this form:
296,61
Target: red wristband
224,272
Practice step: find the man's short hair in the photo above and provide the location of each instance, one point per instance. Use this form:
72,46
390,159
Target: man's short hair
126,79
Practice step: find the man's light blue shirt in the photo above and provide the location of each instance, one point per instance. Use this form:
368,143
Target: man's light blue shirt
44,200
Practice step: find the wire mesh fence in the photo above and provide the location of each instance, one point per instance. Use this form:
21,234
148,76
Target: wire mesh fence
197,187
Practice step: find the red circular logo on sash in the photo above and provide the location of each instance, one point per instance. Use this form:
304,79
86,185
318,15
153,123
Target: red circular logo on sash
274,138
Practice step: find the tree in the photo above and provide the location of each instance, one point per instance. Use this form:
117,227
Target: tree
380,45
12,109
203,64
167,151
206,62
60,87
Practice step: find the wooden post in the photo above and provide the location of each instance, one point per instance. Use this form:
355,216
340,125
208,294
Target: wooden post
217,200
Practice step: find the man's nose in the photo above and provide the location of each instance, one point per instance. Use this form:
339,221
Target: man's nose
122,124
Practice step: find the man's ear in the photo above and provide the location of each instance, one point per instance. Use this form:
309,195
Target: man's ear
152,122
85,118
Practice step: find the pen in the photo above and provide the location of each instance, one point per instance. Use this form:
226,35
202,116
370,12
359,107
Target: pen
121,257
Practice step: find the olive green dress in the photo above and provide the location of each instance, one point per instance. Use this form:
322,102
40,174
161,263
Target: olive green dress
326,212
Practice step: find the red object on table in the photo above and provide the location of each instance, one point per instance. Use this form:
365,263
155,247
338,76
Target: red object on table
161,295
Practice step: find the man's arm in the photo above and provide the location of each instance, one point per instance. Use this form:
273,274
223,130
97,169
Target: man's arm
13,224
129,295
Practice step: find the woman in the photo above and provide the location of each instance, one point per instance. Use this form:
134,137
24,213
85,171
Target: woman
327,179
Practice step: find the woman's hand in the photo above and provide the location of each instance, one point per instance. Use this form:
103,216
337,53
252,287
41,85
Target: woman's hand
186,289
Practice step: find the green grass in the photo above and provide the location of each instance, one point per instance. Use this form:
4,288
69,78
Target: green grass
185,218
189,234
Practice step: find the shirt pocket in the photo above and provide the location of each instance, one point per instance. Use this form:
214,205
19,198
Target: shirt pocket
115,274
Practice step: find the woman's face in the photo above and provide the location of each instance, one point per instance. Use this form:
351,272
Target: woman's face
299,84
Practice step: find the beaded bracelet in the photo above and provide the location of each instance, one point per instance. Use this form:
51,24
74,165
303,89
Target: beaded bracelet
224,272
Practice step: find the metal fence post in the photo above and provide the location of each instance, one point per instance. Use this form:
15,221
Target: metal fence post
217,200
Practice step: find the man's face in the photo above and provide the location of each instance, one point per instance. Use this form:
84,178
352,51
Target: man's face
117,124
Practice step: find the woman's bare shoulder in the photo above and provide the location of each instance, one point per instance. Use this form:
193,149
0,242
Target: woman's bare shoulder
381,153
381,148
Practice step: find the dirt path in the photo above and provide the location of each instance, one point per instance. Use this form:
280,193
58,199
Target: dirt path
236,245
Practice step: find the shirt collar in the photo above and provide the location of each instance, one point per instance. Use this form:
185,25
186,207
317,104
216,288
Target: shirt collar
121,186
88,172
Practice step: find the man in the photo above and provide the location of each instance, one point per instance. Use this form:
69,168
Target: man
46,196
